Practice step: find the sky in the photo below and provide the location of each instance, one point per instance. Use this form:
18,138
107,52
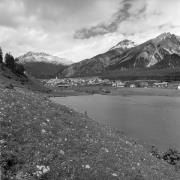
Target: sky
81,29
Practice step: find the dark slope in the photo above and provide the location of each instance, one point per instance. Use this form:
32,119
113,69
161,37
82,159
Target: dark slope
169,61
92,66
44,70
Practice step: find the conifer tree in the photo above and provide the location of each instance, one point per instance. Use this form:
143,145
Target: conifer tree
9,61
1,56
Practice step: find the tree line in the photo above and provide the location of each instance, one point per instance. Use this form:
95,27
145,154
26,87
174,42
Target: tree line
164,74
10,62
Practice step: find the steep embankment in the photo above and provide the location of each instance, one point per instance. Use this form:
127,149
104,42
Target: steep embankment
43,140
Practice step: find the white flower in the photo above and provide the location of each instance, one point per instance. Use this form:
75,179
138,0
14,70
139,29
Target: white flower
114,174
87,166
43,131
61,152
47,120
2,141
106,150
42,170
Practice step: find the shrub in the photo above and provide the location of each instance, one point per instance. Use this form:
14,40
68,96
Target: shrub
172,156
19,69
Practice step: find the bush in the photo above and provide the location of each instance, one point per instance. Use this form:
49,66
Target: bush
172,156
19,69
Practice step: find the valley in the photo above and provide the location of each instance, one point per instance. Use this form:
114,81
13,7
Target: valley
43,139
89,90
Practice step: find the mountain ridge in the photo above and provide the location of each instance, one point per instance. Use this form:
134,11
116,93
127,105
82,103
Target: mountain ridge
145,55
42,57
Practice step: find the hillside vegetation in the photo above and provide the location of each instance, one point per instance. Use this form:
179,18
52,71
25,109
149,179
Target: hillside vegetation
164,74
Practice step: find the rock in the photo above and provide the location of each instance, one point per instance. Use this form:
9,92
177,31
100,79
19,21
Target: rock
9,86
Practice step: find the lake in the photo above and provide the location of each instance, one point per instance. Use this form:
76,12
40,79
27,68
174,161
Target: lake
154,120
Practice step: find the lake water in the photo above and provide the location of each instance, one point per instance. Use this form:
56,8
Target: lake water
151,119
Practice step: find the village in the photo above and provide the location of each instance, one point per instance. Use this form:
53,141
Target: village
96,81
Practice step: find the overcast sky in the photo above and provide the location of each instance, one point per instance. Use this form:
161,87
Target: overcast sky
79,29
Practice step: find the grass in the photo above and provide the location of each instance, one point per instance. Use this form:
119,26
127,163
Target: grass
43,140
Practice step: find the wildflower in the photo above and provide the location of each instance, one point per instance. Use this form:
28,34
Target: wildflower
114,174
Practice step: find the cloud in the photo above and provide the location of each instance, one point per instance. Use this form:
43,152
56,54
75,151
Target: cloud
11,12
123,13
99,29
80,29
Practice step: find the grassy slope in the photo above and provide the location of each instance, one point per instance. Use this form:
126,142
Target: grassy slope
8,78
36,132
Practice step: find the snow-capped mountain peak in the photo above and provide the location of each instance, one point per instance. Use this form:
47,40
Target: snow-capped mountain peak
42,57
125,44
164,36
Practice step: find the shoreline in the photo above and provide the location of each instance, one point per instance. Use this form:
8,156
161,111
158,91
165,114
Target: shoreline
116,92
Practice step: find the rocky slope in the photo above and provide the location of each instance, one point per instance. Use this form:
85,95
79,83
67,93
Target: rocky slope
42,65
150,53
125,55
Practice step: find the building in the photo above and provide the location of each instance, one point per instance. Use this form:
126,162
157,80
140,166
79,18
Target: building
118,84
161,85
142,84
132,85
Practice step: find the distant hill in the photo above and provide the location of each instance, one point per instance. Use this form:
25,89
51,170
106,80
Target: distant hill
160,52
42,65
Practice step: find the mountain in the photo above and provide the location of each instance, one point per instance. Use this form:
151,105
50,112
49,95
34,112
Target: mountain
42,65
124,45
98,63
162,51
150,53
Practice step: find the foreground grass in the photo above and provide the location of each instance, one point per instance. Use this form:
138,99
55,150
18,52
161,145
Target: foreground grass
43,140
